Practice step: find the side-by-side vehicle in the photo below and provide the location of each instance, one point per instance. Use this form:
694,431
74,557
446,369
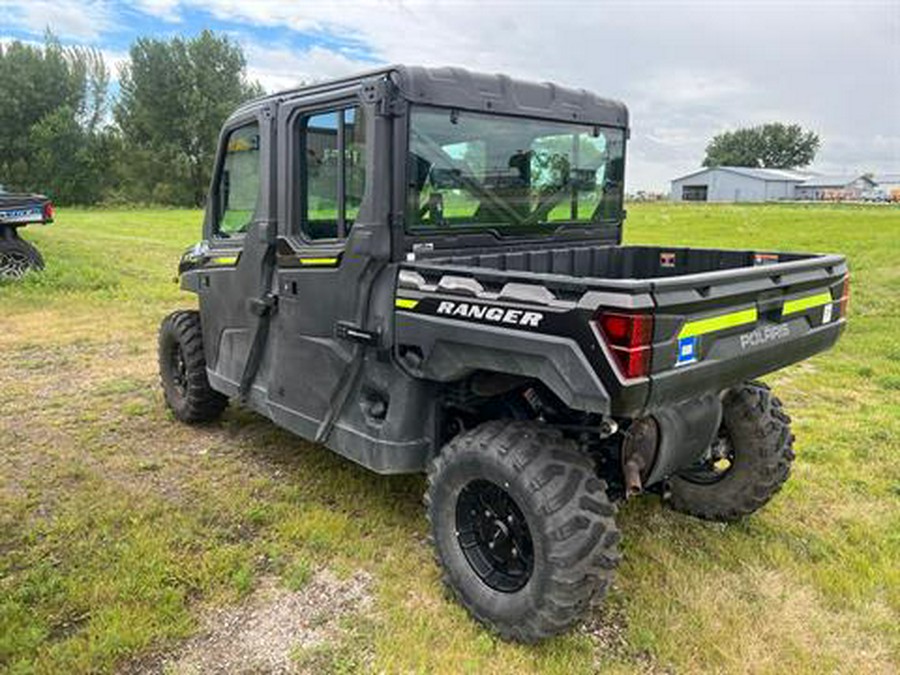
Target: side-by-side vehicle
18,256
423,270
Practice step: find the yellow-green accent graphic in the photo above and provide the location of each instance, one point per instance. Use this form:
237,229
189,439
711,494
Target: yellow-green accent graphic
810,301
721,322
319,261
406,303
224,260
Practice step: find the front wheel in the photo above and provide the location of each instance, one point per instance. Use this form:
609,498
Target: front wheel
746,465
182,370
522,527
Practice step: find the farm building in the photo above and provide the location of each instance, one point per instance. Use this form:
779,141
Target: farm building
889,184
835,188
736,184
887,181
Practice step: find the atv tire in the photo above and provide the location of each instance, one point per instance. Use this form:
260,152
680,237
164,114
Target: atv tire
522,528
18,257
182,370
756,435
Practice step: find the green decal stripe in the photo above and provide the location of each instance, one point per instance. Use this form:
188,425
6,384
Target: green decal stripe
810,301
406,303
224,260
321,262
721,322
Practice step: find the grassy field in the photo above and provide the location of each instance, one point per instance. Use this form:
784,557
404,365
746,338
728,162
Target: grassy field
123,533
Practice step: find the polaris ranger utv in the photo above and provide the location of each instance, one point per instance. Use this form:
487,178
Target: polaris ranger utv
422,269
17,256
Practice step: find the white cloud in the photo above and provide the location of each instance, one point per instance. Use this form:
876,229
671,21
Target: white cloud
167,10
680,86
83,20
280,67
114,60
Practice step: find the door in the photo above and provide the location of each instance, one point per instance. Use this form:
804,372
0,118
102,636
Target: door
694,193
323,271
240,235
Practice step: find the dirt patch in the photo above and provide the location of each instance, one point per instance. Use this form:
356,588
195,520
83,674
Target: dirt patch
260,635
608,630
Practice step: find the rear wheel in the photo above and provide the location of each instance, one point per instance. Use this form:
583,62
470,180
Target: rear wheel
522,527
18,257
182,369
746,465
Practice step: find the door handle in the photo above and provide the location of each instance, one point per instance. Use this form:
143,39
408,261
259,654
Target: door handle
264,305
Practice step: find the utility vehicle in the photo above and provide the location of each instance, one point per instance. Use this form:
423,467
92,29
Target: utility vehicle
17,256
422,269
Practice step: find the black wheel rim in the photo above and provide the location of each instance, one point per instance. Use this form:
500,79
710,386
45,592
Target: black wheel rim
178,368
494,536
716,463
13,265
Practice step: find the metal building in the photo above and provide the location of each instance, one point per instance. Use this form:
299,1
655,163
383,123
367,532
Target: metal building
835,188
736,184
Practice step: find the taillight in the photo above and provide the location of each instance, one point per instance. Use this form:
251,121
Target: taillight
48,212
845,296
630,339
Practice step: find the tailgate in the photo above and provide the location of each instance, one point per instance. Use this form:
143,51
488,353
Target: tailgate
716,329
17,210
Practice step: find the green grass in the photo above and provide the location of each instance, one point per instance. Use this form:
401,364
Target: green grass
119,527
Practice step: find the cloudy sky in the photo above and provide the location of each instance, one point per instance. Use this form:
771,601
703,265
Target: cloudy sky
687,70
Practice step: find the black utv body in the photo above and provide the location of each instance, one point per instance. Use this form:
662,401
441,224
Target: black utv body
422,269
17,256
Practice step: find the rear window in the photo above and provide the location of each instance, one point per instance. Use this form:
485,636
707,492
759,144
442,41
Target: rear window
471,171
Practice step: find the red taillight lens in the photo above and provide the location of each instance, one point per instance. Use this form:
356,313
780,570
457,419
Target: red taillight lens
845,297
630,338
48,212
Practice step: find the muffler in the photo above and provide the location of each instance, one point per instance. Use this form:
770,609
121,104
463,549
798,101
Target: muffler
668,440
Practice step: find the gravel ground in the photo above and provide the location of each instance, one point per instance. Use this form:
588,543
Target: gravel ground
260,635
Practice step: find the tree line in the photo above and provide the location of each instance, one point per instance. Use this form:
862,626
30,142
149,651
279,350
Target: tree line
64,133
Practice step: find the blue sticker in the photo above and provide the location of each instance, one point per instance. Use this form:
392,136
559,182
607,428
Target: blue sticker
688,350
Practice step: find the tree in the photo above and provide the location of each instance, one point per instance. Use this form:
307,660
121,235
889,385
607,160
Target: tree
774,146
53,132
175,95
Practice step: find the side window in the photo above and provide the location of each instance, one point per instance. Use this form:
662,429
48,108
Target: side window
332,172
237,191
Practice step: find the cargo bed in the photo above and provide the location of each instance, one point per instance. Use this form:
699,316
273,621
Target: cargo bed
619,262
719,317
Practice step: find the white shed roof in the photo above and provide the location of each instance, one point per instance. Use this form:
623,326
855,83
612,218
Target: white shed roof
757,174
834,181
888,178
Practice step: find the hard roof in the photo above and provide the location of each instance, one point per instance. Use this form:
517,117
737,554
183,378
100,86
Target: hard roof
468,90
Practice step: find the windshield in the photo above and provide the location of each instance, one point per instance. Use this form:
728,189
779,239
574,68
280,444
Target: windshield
471,171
